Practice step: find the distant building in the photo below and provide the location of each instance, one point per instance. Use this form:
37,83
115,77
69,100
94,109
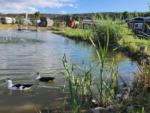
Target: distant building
87,23
147,25
139,24
45,22
72,23
50,22
8,20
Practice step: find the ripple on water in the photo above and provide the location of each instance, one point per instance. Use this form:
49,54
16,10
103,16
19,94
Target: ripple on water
42,52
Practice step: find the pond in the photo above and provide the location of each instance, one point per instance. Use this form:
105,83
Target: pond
24,53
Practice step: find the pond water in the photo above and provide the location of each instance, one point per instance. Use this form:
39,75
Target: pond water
24,53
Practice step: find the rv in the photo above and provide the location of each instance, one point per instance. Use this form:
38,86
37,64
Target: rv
140,25
7,20
87,23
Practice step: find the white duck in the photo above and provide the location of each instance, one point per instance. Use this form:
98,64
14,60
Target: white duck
12,86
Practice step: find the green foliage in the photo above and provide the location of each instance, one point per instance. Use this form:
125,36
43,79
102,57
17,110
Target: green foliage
83,87
135,14
120,35
79,34
116,31
107,87
58,24
125,15
79,86
37,14
20,20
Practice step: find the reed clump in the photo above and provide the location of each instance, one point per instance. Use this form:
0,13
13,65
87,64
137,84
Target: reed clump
88,90
85,87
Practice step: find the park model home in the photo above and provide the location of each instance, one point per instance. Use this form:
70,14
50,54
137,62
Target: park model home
87,23
140,25
8,20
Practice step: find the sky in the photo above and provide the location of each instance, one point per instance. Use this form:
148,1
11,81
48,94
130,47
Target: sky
73,6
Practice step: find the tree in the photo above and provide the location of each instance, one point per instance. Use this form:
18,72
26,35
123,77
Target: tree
37,16
20,22
125,15
135,14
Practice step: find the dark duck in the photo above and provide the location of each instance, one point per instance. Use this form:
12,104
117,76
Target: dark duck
44,79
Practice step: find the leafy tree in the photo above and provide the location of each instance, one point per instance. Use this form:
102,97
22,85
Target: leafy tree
125,15
135,14
37,16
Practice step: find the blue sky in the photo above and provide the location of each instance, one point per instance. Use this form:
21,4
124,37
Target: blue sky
72,6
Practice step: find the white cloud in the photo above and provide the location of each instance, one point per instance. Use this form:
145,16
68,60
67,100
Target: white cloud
30,6
63,12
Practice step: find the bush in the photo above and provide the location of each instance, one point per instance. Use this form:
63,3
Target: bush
116,31
82,34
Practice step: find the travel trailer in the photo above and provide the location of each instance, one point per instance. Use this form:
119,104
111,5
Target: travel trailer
7,20
140,24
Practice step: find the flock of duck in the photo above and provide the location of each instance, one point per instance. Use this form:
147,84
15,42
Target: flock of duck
20,86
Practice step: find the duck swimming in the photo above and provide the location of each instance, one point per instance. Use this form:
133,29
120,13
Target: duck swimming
12,86
44,79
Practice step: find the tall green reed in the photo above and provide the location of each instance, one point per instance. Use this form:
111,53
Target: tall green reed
79,86
83,87
108,85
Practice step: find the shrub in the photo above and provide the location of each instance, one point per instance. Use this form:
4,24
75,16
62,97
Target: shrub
116,31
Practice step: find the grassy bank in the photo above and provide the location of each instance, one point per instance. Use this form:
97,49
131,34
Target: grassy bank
104,94
7,26
77,34
121,37
15,27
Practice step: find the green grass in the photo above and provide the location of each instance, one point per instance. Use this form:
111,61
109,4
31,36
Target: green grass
117,31
8,26
121,37
85,86
134,43
78,34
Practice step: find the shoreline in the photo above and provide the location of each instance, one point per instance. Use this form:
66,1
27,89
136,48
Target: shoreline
84,83
15,27
134,55
137,56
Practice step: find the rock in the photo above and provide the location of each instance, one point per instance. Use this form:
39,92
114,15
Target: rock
143,48
130,109
108,109
100,110
111,107
94,103
125,94
119,97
